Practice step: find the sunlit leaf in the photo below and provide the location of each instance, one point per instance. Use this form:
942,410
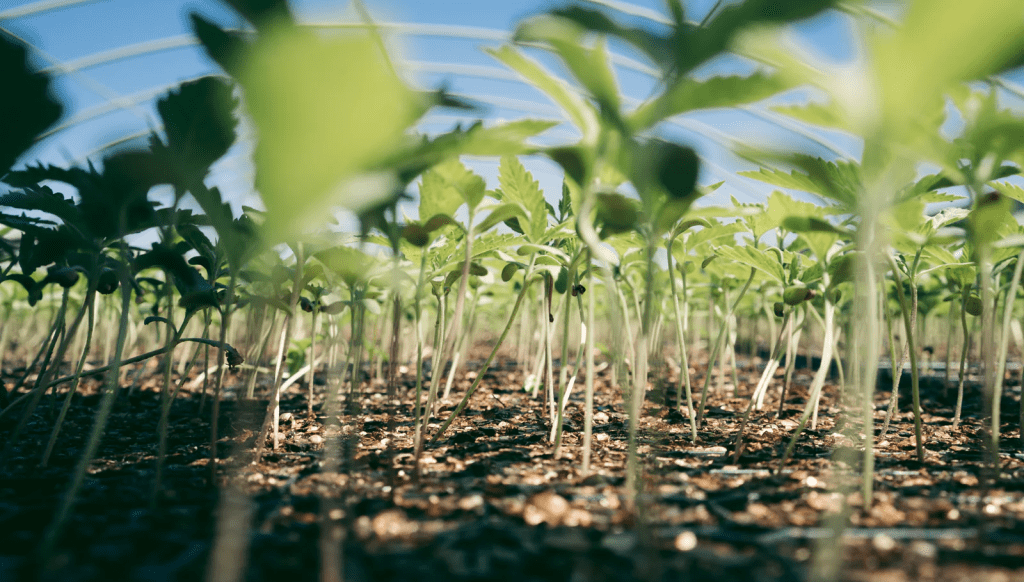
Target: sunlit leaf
518,186
717,92
325,110
579,112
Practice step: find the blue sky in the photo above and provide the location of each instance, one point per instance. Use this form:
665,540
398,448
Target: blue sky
94,93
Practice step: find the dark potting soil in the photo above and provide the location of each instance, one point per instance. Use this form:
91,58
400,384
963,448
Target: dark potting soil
490,501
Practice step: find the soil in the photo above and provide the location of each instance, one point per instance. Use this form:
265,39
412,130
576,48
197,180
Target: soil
489,500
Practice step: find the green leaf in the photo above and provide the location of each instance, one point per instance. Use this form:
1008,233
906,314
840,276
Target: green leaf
495,140
989,219
499,214
616,213
839,181
518,186
657,47
589,65
440,189
754,258
352,265
579,112
1005,188
717,92
941,43
224,48
824,115
325,109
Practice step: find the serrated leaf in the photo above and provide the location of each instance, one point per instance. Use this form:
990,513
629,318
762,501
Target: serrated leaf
439,189
519,187
754,258
44,199
1011,190
199,120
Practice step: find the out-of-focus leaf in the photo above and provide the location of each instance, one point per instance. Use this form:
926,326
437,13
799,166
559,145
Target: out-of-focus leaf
838,181
579,112
989,219
657,47
502,213
28,108
941,43
225,48
589,64
352,265
476,140
262,13
440,189
616,213
824,115
326,110
717,92
1006,188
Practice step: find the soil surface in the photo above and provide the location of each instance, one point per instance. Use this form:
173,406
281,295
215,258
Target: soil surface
490,500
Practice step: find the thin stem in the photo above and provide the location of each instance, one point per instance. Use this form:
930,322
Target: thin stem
487,364
714,353
684,366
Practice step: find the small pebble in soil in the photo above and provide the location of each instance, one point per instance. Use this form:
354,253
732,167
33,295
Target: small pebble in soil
546,506
686,541
883,543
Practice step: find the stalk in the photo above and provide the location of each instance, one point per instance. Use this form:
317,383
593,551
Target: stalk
273,416
417,404
684,366
714,353
258,350
636,400
897,369
41,385
460,301
588,414
563,398
549,374
487,364
624,313
908,321
434,371
819,378
165,396
762,385
1004,342
71,391
963,358
53,531
312,351
949,352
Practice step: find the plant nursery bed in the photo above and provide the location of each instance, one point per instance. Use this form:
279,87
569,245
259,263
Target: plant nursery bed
489,500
